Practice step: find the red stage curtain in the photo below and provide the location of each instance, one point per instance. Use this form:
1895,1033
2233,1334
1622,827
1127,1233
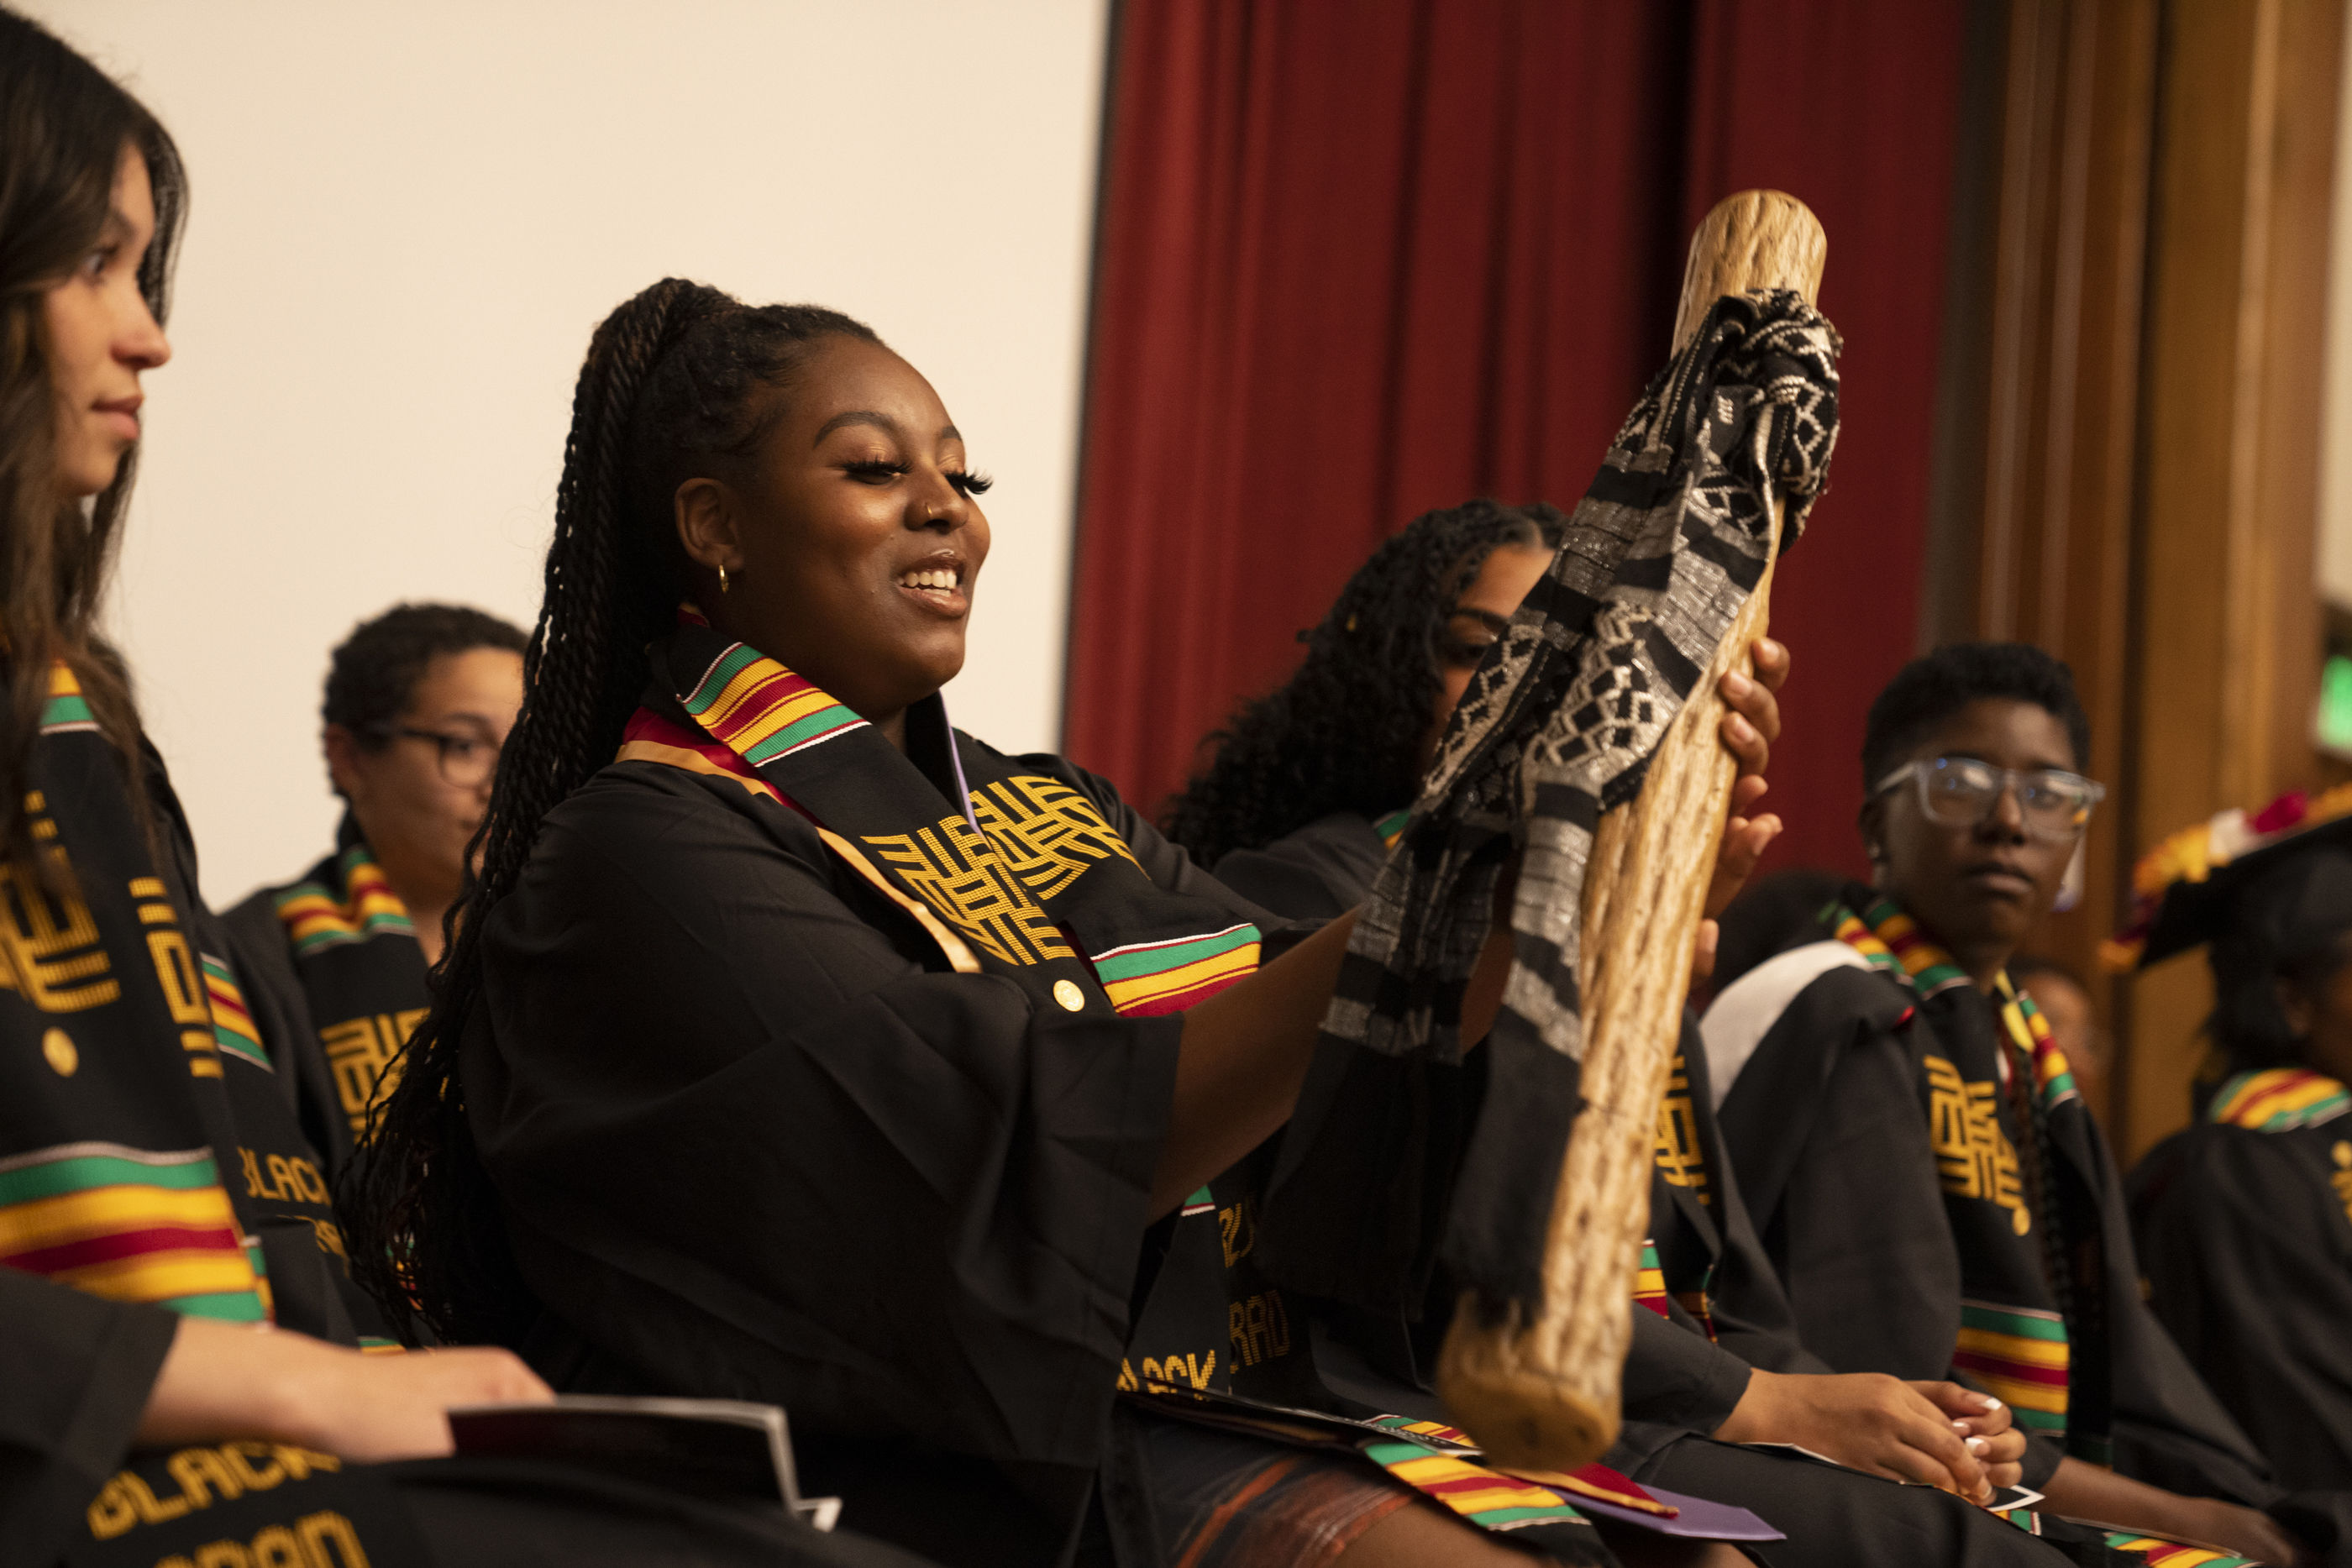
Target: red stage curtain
1358,261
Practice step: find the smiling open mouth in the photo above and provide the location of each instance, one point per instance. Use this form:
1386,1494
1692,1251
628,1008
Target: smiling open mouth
938,587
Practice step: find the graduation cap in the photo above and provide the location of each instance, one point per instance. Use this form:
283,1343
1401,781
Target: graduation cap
2295,856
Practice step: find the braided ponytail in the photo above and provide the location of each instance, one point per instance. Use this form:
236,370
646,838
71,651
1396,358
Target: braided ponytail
672,387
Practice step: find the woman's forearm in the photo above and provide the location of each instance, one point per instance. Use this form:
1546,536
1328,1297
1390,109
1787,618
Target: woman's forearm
224,1381
1243,1057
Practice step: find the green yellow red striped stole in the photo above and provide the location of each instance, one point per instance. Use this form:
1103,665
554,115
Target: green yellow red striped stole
233,1026
1891,940
2024,1354
66,709
317,918
1028,838
1149,978
2029,1031
1490,1500
2159,1552
132,1224
2021,1354
1390,827
2278,1099
1650,1281
759,709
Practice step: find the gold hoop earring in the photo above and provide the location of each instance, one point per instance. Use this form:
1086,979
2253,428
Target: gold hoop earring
722,579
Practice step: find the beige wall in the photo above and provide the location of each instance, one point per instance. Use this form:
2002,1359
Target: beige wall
407,218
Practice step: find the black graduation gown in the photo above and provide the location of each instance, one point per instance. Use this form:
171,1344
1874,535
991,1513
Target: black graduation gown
150,1166
2245,1237
1719,1311
1825,1125
754,1139
1318,872
335,951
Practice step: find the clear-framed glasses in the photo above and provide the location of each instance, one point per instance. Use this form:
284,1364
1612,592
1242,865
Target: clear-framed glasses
1961,792
466,761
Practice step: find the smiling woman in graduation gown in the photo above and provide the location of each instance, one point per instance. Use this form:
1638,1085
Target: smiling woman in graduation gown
797,1045
181,1377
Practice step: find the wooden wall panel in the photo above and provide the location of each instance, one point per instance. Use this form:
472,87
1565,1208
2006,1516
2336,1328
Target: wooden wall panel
2130,465
2228,625
2039,472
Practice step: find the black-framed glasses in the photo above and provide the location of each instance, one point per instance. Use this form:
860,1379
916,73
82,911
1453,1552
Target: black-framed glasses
466,761
1961,792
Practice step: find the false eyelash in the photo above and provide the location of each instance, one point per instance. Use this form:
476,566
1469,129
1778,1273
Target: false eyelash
872,465
970,481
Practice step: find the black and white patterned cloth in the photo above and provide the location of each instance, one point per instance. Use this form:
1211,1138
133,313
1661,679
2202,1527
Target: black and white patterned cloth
1557,725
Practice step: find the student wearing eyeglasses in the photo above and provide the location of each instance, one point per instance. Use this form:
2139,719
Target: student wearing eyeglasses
418,702
1927,1180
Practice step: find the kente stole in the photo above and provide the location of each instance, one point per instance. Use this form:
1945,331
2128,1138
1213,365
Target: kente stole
116,1136
2000,1110
362,974
1021,877
2300,1104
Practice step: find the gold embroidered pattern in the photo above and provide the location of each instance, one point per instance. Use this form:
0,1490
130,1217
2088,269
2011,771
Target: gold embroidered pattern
957,872
2341,1177
1037,837
49,951
1680,1159
360,1053
1048,833
1972,1155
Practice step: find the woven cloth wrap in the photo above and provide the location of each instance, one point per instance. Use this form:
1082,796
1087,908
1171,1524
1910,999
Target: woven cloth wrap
1557,725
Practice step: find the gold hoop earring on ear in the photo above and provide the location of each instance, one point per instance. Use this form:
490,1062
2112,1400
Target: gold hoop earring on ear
722,579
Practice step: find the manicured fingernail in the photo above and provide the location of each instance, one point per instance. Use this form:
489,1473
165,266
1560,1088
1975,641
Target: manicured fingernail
1735,684
1739,728
1987,1401
1961,1427
1978,1446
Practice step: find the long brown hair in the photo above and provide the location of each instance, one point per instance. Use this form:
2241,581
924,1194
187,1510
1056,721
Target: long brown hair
64,124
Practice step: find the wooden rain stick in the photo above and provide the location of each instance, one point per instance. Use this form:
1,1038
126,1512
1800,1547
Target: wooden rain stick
1541,1392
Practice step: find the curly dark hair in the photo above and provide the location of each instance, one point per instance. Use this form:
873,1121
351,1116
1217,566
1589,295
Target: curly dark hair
64,124
373,674
682,380
1929,690
1342,733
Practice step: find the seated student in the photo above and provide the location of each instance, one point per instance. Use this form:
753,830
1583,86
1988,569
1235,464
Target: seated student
1923,1175
418,702
2244,1220
171,1271
813,1050
1287,813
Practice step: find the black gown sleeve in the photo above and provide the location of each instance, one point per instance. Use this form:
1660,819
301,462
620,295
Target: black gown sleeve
752,1140
1824,1131
2245,1253
1675,1378
1318,872
75,1374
